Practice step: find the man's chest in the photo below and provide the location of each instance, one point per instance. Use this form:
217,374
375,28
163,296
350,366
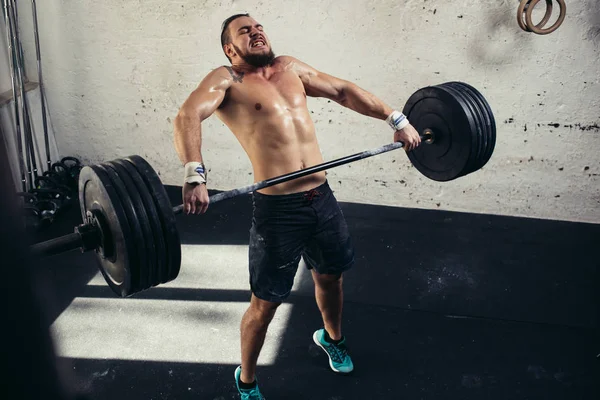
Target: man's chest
280,90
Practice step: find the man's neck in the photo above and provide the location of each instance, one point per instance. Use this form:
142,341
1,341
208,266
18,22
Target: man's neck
250,69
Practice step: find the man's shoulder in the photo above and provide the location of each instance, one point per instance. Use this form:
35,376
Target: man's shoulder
221,69
222,74
216,72
285,59
289,63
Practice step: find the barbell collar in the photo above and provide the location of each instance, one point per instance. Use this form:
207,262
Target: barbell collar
85,237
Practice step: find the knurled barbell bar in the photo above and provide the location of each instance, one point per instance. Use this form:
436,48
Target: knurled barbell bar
129,222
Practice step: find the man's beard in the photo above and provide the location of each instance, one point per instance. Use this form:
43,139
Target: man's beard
256,60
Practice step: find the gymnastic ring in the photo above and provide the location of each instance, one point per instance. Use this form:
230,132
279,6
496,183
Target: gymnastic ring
521,11
542,31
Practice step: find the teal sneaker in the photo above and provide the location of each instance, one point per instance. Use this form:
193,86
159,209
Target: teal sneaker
339,360
246,394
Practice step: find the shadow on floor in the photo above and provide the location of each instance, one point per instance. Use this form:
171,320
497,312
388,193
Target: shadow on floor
439,305
398,354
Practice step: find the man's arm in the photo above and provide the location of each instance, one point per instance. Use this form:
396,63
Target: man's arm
200,105
348,94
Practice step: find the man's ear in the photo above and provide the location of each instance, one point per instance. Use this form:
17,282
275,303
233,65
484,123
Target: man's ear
229,50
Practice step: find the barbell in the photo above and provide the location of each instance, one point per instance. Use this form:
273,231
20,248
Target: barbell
129,222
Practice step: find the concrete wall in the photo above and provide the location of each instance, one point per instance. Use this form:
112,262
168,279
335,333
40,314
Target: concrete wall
116,73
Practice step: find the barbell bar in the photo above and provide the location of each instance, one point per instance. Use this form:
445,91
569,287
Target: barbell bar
129,222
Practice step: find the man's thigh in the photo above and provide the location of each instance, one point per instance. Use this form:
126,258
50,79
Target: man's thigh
275,250
330,250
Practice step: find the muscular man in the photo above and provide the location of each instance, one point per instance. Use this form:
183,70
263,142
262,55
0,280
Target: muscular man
262,99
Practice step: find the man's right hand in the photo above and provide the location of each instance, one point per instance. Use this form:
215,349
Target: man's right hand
195,198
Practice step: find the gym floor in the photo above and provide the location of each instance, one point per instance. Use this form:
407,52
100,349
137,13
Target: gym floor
440,305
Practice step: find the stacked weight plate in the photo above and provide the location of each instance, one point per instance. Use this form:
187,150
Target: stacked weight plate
140,246
463,126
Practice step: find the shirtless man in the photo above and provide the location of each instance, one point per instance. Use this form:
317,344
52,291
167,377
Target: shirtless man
262,100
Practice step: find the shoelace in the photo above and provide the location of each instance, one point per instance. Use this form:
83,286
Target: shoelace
254,394
339,352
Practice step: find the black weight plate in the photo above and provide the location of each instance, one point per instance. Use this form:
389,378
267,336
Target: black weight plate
482,131
165,212
139,279
147,268
473,118
98,199
490,115
153,219
487,121
492,142
434,108
486,133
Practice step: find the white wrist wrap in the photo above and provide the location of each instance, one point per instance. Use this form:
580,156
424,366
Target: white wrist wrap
195,172
397,120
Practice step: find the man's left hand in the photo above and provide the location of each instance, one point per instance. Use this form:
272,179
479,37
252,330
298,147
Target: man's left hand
409,136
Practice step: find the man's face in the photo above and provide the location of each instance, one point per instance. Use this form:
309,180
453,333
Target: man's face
250,42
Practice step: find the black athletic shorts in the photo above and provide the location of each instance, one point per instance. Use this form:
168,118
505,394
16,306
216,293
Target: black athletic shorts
287,227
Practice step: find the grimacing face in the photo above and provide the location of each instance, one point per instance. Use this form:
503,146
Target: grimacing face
250,41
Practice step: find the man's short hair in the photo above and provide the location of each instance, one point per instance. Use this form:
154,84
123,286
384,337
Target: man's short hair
225,36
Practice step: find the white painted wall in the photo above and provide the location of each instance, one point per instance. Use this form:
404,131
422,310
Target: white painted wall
116,73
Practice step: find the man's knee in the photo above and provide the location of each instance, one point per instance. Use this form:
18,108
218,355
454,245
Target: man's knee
327,280
263,308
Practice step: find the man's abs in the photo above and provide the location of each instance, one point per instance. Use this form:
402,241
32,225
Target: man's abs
278,146
270,118
271,162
